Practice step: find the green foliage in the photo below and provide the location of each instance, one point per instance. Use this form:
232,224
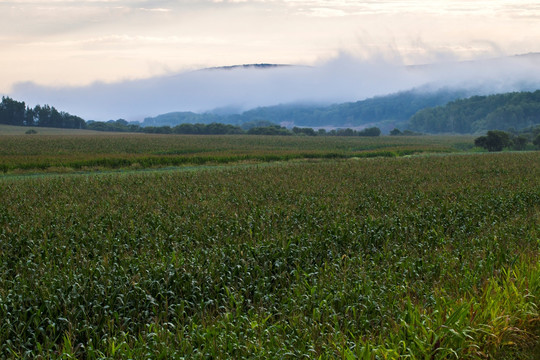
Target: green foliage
397,132
304,131
480,113
210,129
495,140
537,141
368,132
371,131
13,112
119,125
331,259
519,142
269,130
256,123
30,132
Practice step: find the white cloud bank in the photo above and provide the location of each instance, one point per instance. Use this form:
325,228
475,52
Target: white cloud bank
340,79
71,42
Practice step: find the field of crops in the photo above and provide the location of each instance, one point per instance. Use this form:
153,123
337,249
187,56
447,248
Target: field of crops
75,153
333,256
21,130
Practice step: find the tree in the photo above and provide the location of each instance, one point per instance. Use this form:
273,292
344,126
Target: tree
269,130
372,131
43,114
519,142
12,112
495,140
536,141
55,119
29,117
304,131
395,132
346,132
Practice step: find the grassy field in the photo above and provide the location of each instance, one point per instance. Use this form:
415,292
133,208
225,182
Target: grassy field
422,257
61,153
21,130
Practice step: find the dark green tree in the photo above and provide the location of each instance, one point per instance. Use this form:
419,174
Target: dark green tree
12,112
269,130
55,119
346,132
495,140
304,131
43,115
519,142
536,141
29,117
372,131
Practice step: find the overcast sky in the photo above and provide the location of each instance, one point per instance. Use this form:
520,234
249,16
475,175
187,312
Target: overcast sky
77,42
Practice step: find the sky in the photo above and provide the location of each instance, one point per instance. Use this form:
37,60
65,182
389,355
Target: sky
84,43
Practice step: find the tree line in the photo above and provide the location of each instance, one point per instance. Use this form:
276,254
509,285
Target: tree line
498,140
252,128
14,112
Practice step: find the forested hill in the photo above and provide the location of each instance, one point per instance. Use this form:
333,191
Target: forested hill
394,109
480,113
391,109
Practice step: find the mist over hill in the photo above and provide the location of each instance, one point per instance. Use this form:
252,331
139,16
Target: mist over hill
343,91
385,112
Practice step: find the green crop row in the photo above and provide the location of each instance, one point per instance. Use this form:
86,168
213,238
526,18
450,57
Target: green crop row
67,153
52,164
419,258
106,143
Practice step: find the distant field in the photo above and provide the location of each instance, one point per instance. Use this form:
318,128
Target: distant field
21,130
98,151
431,257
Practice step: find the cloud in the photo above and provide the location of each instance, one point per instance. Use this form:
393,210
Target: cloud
155,9
340,79
326,12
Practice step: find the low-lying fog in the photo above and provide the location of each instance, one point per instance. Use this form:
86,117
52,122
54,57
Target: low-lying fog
341,79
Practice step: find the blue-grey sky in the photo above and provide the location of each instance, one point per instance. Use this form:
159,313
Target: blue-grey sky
79,42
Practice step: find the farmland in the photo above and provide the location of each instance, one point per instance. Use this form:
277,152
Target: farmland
335,248
88,152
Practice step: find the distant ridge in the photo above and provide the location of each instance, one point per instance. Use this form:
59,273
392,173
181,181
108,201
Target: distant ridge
386,112
248,66
533,56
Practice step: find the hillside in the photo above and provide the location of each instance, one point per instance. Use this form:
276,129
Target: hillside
480,113
385,111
